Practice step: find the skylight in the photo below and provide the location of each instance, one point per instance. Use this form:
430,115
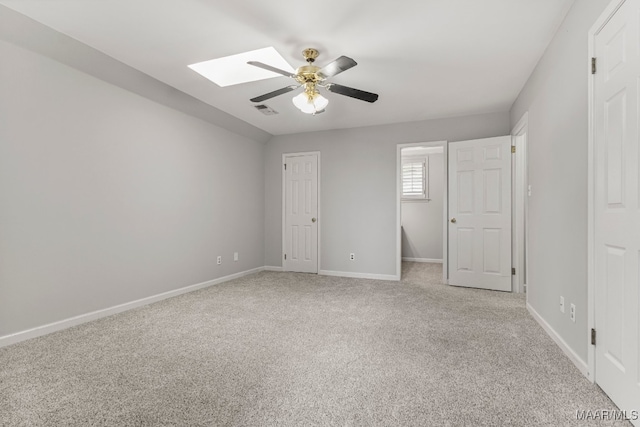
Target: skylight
233,70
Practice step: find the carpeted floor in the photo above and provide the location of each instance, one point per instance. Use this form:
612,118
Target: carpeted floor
293,349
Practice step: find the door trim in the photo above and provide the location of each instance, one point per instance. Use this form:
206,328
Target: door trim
520,203
445,196
284,197
598,25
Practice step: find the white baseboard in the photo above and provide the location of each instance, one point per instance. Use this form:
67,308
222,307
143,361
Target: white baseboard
84,318
436,261
580,364
359,275
272,268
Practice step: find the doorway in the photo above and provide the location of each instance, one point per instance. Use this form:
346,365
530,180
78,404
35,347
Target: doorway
421,204
504,270
520,194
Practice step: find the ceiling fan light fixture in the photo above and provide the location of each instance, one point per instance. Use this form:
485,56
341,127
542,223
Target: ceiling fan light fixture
311,77
310,103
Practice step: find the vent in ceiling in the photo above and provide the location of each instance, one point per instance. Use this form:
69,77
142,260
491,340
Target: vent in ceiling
266,110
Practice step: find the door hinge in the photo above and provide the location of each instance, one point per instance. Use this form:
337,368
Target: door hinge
593,336
593,65
513,271
285,256
513,149
285,166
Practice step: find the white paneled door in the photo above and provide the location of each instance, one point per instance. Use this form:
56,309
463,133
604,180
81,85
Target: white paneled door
616,206
301,213
480,213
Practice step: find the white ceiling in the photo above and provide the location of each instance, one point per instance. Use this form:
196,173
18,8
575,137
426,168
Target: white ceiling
425,58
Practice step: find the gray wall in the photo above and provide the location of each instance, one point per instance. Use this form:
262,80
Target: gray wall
556,98
422,220
108,197
36,37
358,186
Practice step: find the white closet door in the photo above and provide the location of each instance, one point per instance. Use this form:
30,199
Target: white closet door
301,214
617,211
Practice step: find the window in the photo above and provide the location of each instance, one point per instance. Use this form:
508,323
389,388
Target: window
415,181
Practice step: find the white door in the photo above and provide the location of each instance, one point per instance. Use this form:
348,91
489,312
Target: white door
301,213
480,213
616,208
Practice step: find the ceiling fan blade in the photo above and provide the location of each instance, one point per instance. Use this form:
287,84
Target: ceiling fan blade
336,67
353,93
274,93
270,68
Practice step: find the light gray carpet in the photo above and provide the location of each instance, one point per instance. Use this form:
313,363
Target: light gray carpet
296,350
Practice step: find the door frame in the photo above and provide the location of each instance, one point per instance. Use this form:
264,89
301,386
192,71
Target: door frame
445,195
520,203
595,29
284,198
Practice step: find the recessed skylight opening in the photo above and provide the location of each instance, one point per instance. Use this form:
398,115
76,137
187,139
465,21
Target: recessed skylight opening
233,70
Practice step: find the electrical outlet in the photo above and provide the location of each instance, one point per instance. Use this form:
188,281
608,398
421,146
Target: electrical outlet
572,312
219,260
235,256
352,256
561,304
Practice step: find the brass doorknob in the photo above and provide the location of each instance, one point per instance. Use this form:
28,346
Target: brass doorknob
453,220
313,220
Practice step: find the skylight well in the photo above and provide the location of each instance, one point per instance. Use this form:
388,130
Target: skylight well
233,70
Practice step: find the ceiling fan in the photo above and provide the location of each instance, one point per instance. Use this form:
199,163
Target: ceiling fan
311,77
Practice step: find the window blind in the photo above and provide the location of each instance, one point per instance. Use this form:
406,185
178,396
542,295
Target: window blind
414,178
